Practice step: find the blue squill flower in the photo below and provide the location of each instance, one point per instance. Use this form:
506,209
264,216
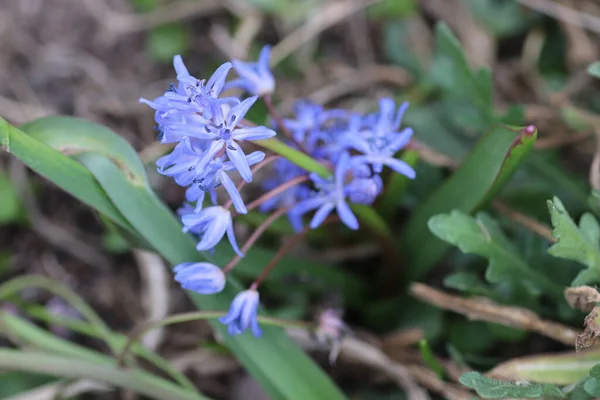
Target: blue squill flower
364,190
192,95
254,77
331,195
243,314
380,141
224,132
200,277
211,224
215,175
181,163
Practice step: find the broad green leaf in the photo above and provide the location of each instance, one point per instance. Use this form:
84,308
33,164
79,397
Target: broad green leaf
490,388
595,371
483,173
135,380
594,69
482,236
559,369
577,243
279,365
499,18
468,282
74,136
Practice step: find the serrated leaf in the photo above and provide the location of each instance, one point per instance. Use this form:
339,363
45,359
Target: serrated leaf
482,236
484,172
490,388
577,243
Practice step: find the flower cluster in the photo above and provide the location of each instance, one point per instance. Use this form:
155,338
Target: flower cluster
358,145
208,131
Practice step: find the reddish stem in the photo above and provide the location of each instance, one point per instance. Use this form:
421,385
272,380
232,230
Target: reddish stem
278,190
289,244
256,235
277,117
254,170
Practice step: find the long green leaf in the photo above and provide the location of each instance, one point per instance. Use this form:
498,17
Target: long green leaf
483,173
279,365
70,367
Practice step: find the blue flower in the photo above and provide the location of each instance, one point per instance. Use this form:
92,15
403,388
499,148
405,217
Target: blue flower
254,77
364,190
211,223
200,277
223,132
192,95
215,175
379,140
243,314
181,163
332,194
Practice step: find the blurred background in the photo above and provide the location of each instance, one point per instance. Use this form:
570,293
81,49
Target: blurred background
95,58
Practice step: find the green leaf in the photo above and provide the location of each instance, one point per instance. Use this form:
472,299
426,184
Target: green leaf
490,388
482,236
592,387
577,243
274,360
43,340
483,173
392,9
594,69
450,70
70,367
10,203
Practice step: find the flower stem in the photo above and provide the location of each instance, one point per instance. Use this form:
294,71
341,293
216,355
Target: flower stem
281,124
254,170
255,235
194,316
278,190
288,245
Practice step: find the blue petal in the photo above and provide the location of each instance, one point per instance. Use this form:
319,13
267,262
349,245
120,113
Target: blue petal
234,309
321,214
232,241
399,166
346,215
180,68
238,158
217,80
240,110
253,133
229,186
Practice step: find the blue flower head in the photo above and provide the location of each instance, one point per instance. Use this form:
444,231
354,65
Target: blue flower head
254,77
191,95
331,195
211,224
378,139
224,132
243,314
200,277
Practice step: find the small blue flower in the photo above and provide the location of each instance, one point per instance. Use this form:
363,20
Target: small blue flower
332,194
379,141
215,175
211,223
200,277
364,190
254,77
243,314
223,132
181,163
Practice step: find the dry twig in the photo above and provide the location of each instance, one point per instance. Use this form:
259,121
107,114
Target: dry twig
483,309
